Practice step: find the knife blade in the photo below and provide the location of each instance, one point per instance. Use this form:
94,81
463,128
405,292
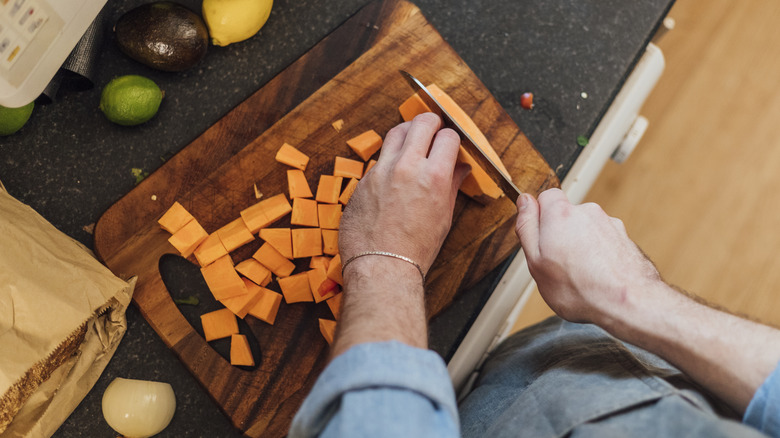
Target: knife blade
499,177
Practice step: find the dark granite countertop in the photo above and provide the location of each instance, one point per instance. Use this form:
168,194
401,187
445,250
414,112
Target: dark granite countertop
70,164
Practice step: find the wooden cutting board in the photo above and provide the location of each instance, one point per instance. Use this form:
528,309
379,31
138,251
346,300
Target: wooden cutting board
352,75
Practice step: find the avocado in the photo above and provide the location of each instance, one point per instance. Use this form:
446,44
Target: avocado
163,35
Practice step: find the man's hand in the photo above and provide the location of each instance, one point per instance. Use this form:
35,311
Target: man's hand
588,270
403,205
583,261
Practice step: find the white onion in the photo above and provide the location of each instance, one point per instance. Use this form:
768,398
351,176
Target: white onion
138,408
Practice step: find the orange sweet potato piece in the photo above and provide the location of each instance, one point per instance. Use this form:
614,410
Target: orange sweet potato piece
306,242
265,212
255,271
267,307
348,191
330,242
365,144
299,187
304,212
218,324
329,215
319,262
210,250
334,270
235,235
347,168
187,239
328,189
240,353
334,303
317,277
175,218
279,238
292,157
338,124
269,257
295,288
413,106
241,304
222,279
328,330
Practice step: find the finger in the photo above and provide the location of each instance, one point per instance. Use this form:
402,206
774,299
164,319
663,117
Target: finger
418,139
462,170
551,196
394,141
444,150
527,226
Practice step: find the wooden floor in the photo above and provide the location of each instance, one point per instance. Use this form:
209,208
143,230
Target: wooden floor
701,194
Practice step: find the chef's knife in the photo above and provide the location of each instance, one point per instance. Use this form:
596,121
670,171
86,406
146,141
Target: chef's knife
466,141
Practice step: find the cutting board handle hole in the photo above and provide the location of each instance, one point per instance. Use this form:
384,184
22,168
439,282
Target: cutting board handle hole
184,281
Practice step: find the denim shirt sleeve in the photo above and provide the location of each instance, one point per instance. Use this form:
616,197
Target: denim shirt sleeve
763,412
380,389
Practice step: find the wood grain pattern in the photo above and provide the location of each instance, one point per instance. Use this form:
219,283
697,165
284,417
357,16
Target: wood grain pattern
350,75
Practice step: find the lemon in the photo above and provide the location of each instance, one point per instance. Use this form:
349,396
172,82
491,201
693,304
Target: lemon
12,119
231,21
130,100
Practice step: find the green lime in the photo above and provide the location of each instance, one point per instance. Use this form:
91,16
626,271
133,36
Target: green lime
12,119
130,100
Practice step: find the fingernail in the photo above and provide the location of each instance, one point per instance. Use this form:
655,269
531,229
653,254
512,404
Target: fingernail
522,201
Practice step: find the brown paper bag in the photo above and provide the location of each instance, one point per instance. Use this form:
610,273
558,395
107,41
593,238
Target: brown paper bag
62,315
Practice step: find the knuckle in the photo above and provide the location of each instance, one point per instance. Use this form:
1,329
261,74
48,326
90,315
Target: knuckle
427,119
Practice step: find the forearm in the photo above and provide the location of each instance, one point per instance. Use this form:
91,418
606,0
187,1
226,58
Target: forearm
728,355
383,301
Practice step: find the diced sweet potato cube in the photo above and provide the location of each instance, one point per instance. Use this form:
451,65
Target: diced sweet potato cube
347,168
265,212
240,353
241,304
222,279
317,277
329,189
369,165
413,106
338,124
295,288
175,218
334,270
348,191
319,262
267,307
279,238
328,330
210,250
307,242
365,144
304,212
334,303
269,257
330,242
255,271
235,235
218,324
292,157
299,187
329,216
187,239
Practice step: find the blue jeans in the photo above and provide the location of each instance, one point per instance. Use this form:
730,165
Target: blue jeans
558,379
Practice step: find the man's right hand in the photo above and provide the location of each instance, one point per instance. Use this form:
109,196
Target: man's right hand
588,270
582,260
